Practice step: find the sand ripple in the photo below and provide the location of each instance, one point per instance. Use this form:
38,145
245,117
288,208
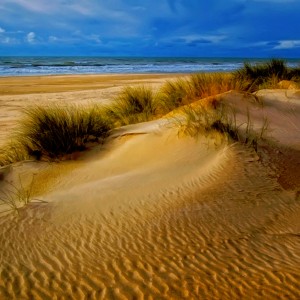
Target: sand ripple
208,244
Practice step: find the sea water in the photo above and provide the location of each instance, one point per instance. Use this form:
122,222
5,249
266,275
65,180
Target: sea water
18,66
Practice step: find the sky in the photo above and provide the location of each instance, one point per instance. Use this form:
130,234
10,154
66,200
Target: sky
179,28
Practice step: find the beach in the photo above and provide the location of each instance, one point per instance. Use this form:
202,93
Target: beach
152,213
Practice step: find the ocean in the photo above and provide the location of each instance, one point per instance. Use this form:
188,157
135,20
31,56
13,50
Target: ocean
20,66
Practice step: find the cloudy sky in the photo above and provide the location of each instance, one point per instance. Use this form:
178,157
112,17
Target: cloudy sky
215,28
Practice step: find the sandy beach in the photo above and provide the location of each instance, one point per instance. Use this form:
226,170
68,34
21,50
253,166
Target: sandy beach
151,213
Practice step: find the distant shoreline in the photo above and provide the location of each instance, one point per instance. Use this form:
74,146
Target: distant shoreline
38,66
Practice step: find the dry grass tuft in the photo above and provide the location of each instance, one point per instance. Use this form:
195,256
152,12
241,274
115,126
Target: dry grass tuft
52,132
202,120
13,152
175,93
17,196
206,85
266,75
134,105
181,92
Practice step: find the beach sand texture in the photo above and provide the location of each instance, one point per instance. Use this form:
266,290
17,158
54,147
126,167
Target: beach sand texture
153,214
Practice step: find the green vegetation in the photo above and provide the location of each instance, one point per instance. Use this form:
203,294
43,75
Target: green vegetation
203,120
174,94
52,132
206,85
266,75
133,105
180,92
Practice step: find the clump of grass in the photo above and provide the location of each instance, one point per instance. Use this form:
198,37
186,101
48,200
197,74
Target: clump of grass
181,92
12,152
266,75
294,74
175,93
200,120
16,196
210,84
53,132
134,105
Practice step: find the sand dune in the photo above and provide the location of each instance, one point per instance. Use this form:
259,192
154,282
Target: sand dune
155,215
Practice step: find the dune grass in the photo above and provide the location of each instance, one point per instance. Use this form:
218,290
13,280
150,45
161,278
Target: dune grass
12,152
210,84
175,93
183,91
203,120
266,75
15,196
133,105
52,132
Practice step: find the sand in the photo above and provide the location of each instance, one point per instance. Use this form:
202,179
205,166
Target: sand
153,214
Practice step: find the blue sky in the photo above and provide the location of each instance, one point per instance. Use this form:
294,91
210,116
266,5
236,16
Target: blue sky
205,28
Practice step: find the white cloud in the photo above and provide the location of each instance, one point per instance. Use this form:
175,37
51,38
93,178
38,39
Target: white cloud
52,38
2,30
82,9
288,44
94,38
30,37
204,38
7,40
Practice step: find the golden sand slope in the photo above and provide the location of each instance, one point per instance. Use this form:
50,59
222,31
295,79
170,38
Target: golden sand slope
156,216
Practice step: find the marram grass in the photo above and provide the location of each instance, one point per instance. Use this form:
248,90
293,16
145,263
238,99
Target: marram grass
210,84
54,131
183,91
221,119
174,93
12,152
265,75
133,105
